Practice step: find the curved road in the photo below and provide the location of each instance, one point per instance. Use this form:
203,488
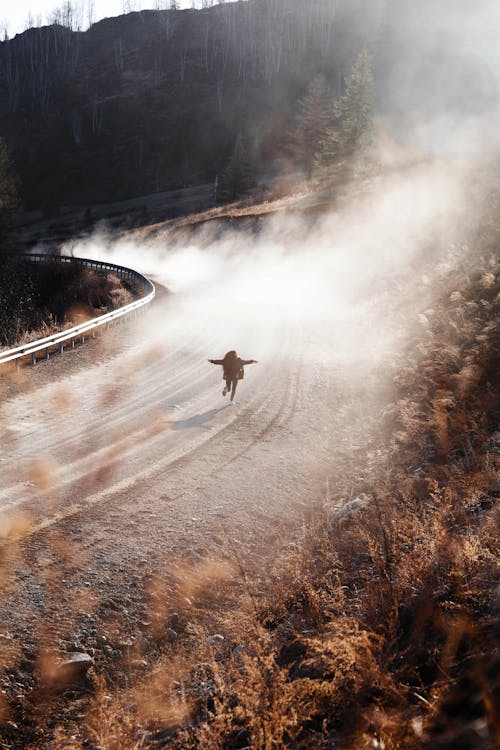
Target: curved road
121,457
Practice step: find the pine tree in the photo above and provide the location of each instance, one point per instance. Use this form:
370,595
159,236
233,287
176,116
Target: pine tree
353,130
238,178
311,123
9,199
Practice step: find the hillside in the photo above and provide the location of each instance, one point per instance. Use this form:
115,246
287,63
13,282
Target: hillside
315,564
154,101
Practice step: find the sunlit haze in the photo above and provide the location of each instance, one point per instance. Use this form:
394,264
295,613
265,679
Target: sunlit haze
249,305
314,283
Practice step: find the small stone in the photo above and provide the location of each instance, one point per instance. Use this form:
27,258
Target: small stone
212,640
80,659
73,670
139,663
352,510
125,644
173,620
242,739
171,634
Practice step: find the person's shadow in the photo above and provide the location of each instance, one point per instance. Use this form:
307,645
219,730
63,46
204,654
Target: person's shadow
197,420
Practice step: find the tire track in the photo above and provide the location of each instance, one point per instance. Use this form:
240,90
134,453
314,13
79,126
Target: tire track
146,501
224,439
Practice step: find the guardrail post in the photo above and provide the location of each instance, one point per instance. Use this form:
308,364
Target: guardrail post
33,358
47,355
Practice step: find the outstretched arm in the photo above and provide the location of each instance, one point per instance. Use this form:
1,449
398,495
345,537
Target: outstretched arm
249,362
216,361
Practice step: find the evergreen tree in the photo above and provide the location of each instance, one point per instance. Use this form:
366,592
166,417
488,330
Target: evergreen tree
238,178
9,199
353,112
311,123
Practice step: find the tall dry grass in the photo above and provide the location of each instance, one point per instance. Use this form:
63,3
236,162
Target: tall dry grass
377,627
381,630
39,299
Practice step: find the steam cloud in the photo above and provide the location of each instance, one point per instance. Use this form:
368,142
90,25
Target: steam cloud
438,86
243,289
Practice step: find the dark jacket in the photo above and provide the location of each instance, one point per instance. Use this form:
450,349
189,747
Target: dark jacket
232,369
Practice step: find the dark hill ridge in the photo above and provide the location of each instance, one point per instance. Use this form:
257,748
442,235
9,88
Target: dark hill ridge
154,100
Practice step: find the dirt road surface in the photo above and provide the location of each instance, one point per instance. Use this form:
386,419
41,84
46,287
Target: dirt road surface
122,456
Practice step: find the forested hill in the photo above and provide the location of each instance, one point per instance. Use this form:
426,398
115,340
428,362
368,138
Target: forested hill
155,100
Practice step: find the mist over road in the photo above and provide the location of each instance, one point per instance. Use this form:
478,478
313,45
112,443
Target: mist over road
122,457
112,468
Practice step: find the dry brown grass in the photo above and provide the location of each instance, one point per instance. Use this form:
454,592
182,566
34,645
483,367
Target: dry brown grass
50,297
384,623
376,628
287,194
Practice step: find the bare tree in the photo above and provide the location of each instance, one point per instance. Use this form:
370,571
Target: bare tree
118,53
12,75
183,62
220,92
76,126
68,15
97,117
90,12
170,23
131,6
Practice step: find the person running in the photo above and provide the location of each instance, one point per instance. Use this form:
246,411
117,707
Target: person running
232,370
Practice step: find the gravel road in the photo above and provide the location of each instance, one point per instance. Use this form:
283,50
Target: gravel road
122,456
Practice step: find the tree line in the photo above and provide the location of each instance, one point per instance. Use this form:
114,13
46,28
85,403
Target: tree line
326,135
155,100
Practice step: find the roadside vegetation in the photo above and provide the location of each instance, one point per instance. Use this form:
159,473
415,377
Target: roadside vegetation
36,299
380,628
376,626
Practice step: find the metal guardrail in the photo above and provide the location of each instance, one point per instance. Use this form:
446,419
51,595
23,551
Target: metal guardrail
71,335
